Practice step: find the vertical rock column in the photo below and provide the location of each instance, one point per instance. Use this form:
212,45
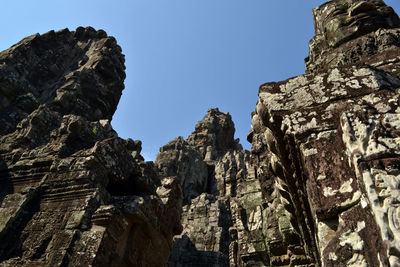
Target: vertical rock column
325,144
222,198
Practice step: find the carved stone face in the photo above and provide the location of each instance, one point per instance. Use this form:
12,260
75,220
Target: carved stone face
341,20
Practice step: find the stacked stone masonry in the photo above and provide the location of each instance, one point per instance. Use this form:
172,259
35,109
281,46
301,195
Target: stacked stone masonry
326,143
72,192
222,213
320,186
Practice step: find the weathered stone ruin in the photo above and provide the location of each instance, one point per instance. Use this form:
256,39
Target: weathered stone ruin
320,186
219,186
326,144
72,192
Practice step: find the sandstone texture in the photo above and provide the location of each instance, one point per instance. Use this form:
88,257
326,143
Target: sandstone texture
326,144
321,184
320,187
221,217
72,192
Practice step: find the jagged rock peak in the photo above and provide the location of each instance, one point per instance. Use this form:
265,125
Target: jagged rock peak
216,129
193,160
216,179
351,31
178,158
71,72
72,192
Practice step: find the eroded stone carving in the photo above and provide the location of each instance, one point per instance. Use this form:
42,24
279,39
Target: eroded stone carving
325,143
350,31
221,219
319,188
72,192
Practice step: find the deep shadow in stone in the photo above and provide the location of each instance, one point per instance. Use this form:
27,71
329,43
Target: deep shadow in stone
13,232
185,254
6,186
212,187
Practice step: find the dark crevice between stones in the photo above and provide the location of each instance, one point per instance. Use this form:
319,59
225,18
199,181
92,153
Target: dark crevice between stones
293,177
66,259
14,232
243,218
132,185
212,187
225,221
307,221
197,258
70,250
41,249
122,187
6,186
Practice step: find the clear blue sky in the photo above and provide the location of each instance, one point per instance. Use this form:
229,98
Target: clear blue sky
182,56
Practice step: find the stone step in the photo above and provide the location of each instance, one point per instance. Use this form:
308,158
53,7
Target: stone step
70,193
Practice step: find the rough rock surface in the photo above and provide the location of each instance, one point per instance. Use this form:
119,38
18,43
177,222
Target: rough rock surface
206,216
319,188
326,144
221,217
72,192
354,31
